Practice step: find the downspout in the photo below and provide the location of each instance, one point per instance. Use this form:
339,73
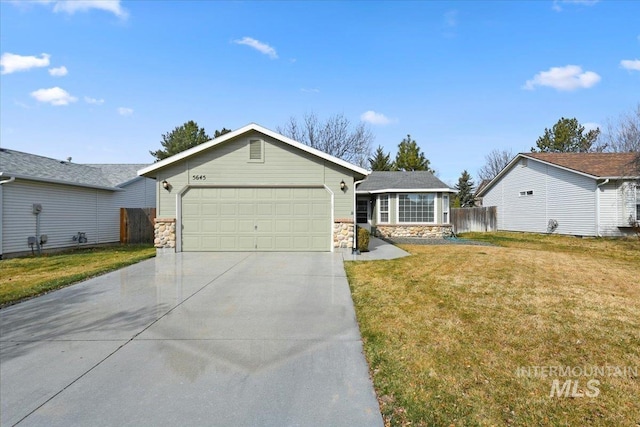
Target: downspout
6,181
606,181
354,250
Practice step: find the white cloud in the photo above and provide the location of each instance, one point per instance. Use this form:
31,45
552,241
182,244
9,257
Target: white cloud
73,6
259,46
11,62
93,101
631,64
125,111
557,4
570,77
375,118
451,18
310,90
54,96
58,72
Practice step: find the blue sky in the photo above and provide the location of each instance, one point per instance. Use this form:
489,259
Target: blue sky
102,81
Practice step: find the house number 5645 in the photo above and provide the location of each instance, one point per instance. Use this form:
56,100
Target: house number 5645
199,177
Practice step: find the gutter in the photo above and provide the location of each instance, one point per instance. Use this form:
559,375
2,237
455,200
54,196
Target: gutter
354,250
7,181
606,181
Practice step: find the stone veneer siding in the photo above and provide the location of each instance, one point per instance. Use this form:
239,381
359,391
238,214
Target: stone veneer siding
437,231
165,233
343,233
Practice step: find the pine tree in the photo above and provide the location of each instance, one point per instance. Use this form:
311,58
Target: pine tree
410,157
465,190
566,136
380,161
182,138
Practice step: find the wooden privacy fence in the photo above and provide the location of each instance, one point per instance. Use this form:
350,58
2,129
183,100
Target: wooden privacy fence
474,219
136,225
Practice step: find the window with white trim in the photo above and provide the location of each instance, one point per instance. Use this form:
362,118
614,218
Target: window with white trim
416,207
445,209
383,208
526,193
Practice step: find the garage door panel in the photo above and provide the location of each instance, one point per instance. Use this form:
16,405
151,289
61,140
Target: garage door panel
262,219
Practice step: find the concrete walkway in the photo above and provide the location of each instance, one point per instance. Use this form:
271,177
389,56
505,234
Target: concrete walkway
228,339
378,250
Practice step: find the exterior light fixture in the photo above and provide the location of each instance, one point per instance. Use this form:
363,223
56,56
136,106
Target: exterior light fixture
166,185
343,186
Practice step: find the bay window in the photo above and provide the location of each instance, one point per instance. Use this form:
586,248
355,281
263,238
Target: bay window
416,207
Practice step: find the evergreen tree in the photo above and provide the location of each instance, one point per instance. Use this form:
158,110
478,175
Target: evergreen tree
182,138
566,136
380,161
410,157
465,186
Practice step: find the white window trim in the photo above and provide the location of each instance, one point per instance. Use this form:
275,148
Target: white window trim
445,209
435,209
388,196
526,193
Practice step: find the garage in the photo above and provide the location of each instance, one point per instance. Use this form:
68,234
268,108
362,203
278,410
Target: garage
256,219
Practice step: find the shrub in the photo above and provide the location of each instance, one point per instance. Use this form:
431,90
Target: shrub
363,239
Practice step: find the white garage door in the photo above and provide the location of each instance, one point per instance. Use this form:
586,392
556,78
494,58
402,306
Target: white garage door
256,219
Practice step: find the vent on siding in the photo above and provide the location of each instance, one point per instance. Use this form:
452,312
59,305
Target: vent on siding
255,149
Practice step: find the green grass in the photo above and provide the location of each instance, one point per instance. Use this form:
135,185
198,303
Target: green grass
446,329
25,277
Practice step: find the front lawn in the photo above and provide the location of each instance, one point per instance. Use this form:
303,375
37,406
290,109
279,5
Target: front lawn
25,277
477,335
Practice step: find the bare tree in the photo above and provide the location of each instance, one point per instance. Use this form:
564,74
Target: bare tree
623,134
334,136
495,161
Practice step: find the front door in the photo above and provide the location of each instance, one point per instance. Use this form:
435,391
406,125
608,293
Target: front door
362,211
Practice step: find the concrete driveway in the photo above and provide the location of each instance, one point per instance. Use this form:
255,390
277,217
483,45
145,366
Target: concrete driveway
229,339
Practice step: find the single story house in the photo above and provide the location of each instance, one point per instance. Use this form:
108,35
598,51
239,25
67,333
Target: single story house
583,194
404,204
51,204
256,190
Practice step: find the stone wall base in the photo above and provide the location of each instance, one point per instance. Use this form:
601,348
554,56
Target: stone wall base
165,233
343,234
423,231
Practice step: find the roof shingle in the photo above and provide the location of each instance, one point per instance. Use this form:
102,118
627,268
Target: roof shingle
401,180
596,164
26,165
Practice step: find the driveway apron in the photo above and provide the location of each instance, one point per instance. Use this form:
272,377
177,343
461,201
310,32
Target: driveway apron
229,339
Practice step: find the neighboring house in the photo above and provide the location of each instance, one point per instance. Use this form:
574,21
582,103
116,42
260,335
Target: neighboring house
404,204
584,194
40,196
254,190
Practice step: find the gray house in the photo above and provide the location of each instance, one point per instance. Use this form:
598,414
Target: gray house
404,204
585,194
254,190
40,196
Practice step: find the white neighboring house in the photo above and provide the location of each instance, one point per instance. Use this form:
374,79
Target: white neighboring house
59,199
583,194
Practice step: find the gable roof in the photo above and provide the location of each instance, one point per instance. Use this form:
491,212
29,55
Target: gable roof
592,165
39,168
395,181
248,128
601,165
